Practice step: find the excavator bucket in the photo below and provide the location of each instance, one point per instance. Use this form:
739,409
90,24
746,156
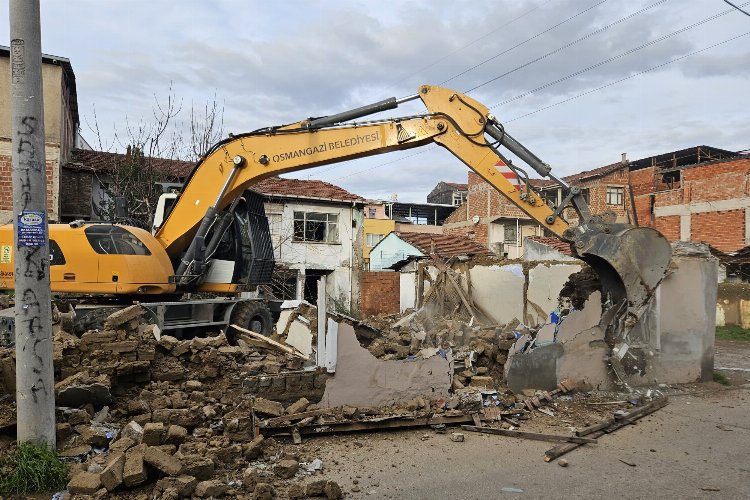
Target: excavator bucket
631,262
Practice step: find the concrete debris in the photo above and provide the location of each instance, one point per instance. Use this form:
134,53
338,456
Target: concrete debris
147,413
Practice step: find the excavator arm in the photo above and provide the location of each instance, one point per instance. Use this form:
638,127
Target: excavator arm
455,122
631,261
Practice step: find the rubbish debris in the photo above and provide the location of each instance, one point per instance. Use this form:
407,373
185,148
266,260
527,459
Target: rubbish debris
606,427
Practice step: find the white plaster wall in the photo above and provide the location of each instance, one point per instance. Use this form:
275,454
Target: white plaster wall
408,287
545,283
498,291
688,322
334,257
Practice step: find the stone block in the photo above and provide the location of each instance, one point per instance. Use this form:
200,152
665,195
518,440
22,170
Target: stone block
84,483
134,470
480,381
183,484
122,316
153,433
211,488
176,434
122,445
134,431
111,476
185,417
200,467
162,461
264,406
297,407
286,469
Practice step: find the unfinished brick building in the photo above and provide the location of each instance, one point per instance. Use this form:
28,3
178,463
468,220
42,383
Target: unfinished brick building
492,220
697,194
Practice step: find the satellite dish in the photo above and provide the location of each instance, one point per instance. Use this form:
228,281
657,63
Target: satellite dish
394,196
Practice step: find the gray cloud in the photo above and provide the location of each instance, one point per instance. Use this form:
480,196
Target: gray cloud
273,63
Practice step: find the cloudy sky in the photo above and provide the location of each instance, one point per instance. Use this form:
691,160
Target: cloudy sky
577,81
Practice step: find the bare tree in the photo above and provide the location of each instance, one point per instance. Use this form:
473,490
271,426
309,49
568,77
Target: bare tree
156,154
206,129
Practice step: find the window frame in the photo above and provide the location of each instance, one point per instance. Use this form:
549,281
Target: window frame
618,192
300,233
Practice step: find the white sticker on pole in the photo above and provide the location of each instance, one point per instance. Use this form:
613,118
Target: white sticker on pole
509,174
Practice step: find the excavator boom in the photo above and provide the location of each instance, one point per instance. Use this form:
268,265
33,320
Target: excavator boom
631,261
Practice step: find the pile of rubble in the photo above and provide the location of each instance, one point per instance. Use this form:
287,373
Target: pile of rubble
145,415
479,351
157,416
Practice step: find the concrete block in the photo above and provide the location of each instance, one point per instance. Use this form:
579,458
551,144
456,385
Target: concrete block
489,283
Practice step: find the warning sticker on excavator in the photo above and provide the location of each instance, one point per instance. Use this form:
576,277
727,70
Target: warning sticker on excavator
5,254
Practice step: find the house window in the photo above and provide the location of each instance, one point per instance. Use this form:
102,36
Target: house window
615,195
371,213
313,226
510,235
373,239
458,198
585,195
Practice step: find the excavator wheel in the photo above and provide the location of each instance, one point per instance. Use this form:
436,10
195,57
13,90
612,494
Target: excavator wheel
253,315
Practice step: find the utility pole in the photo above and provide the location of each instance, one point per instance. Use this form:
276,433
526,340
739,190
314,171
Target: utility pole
35,391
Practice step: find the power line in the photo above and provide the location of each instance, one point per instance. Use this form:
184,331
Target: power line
522,43
562,101
614,58
733,5
441,59
628,77
334,167
568,45
431,148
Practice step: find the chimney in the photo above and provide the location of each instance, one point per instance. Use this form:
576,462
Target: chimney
624,158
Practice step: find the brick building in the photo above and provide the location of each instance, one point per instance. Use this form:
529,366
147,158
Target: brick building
448,193
697,194
605,189
490,219
60,128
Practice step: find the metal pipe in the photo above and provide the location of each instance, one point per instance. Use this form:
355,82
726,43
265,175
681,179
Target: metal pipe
518,149
407,98
196,250
377,107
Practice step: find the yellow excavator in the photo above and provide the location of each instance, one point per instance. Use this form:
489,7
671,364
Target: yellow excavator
215,238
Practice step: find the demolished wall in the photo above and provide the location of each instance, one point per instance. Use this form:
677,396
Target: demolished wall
679,348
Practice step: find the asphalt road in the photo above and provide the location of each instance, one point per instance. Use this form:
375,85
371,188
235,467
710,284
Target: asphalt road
696,447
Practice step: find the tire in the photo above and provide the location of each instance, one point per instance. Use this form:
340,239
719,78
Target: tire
253,315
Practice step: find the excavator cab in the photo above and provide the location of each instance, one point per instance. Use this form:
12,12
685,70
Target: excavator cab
241,256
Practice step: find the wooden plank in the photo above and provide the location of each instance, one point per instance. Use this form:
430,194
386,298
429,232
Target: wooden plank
476,419
295,416
528,435
596,427
628,419
348,426
268,341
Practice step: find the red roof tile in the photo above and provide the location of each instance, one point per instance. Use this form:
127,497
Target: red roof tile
606,169
102,161
459,186
580,176
303,189
445,245
555,243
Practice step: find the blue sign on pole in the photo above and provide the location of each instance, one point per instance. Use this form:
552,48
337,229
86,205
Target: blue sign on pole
32,226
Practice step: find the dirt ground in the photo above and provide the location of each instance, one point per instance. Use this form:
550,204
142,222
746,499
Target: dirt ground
696,447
